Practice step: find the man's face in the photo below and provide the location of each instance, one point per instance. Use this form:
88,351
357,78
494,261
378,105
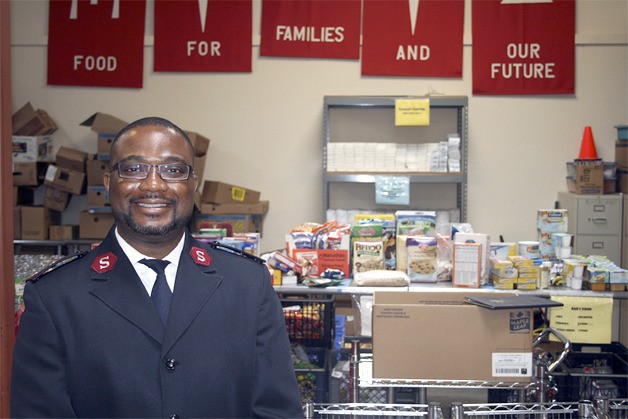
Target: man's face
151,209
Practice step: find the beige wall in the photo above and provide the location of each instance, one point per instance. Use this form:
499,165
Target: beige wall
266,126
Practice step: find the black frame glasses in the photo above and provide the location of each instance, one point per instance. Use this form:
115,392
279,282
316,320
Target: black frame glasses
170,172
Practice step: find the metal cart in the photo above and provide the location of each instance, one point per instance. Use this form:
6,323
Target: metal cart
598,409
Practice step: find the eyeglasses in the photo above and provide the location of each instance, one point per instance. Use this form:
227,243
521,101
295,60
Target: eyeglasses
171,172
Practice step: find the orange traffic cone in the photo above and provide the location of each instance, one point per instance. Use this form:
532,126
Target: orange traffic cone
587,147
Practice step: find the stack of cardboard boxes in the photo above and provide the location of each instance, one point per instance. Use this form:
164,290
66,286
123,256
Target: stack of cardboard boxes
65,175
221,203
32,151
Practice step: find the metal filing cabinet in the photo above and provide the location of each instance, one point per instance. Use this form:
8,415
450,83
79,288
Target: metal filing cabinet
596,223
624,258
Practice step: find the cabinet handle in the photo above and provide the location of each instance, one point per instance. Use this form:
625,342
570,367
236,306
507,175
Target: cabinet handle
598,220
597,245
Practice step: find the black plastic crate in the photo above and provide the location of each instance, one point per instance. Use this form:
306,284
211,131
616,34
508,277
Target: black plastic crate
592,371
310,321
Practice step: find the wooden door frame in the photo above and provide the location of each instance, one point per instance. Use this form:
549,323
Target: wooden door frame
7,287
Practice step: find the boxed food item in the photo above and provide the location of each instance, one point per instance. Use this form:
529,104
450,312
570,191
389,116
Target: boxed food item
549,222
223,193
421,258
95,226
368,255
31,148
322,259
65,179
70,158
467,263
437,336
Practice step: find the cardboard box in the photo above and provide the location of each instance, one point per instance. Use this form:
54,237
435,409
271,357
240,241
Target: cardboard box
56,199
64,179
36,222
223,193
63,232
238,223
95,171
28,121
104,146
621,153
31,149
23,196
261,207
98,199
436,336
29,174
106,126
201,145
622,180
17,223
70,158
588,180
95,226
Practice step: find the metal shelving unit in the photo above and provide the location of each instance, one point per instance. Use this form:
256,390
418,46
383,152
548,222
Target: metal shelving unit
447,114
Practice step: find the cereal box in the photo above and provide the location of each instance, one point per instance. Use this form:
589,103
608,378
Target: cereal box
421,258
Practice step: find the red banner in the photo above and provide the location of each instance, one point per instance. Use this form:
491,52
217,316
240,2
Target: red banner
523,46
413,38
203,35
96,42
311,28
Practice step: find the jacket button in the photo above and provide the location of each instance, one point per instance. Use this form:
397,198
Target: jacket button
174,416
170,364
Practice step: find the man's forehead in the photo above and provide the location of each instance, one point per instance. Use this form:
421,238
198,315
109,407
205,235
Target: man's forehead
142,136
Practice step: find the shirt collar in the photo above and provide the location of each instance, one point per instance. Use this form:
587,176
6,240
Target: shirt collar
135,256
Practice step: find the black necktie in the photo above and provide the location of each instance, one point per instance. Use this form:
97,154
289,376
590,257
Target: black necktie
161,294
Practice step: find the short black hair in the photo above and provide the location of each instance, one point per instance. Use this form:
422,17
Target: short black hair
154,121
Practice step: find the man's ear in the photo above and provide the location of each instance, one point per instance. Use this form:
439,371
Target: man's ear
106,177
195,181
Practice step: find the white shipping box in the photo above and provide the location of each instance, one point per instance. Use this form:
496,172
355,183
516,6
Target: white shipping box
27,149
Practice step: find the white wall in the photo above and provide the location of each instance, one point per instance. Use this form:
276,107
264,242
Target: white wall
266,126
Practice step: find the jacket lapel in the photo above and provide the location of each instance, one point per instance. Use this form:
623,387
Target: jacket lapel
121,290
194,285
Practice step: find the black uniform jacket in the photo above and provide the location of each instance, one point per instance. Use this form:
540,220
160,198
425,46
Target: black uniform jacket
90,342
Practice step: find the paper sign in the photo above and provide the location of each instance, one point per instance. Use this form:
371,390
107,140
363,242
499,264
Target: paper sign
412,112
392,190
583,319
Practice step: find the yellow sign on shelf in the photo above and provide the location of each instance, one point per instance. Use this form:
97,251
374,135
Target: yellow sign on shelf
412,112
583,319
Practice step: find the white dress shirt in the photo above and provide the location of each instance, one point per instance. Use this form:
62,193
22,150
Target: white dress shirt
146,274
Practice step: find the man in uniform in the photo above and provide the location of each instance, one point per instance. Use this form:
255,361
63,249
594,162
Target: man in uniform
152,323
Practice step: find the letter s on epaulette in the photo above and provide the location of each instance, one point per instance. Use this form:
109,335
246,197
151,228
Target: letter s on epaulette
220,246
56,264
